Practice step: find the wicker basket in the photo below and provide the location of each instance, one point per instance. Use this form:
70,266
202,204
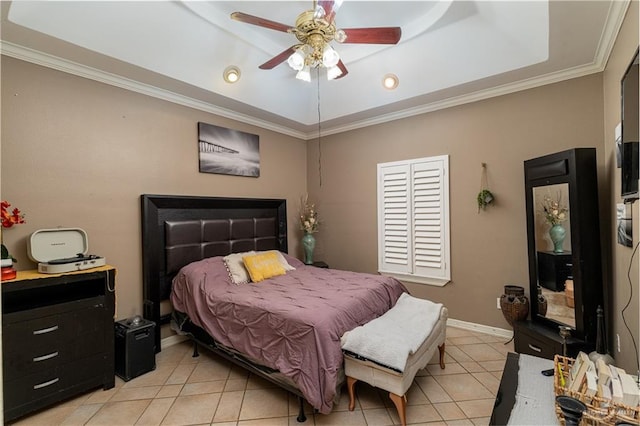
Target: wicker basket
599,411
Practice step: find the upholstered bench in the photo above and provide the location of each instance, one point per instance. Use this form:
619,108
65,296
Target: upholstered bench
395,374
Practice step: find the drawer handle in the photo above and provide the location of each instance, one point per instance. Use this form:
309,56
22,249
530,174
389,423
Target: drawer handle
45,384
535,348
45,357
45,330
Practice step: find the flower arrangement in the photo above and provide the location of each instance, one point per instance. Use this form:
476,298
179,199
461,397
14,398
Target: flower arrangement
308,216
8,219
553,210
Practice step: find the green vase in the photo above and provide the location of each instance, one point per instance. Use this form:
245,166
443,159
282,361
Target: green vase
557,234
309,244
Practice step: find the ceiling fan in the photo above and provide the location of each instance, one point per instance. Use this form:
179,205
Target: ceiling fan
315,29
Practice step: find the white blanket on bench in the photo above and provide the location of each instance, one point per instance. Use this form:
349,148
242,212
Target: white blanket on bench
391,338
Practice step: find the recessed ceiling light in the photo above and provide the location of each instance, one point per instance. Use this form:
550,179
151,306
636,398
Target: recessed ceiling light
390,81
231,74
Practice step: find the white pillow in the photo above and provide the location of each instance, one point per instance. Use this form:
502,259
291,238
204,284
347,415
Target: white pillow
237,271
283,261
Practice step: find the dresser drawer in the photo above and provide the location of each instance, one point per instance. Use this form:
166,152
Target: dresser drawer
536,345
47,341
39,389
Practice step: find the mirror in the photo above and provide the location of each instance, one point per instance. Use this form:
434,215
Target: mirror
552,234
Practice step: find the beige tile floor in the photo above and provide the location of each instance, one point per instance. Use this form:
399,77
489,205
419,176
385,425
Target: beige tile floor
183,390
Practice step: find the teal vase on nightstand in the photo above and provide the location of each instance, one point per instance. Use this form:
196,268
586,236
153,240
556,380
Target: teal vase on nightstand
557,234
309,244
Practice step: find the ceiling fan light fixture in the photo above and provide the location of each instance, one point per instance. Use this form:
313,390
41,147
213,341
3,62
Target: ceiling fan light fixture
340,36
319,12
231,74
330,57
390,81
296,60
333,72
304,74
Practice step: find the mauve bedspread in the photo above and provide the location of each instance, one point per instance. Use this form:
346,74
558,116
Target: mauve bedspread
292,323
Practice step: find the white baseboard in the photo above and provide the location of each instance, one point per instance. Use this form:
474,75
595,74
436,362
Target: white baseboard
494,331
172,340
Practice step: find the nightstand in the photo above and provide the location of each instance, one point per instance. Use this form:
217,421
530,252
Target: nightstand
554,269
320,264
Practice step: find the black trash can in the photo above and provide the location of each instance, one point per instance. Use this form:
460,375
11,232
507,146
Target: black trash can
135,347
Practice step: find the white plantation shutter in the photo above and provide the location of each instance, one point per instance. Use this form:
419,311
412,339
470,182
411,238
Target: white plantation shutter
394,213
429,239
413,220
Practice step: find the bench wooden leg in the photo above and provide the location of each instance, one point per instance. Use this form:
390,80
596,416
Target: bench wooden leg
441,349
401,405
351,384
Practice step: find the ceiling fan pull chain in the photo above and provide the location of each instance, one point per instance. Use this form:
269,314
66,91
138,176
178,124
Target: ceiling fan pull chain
319,129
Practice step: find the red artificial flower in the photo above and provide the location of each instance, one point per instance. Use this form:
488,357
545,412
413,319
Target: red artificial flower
8,219
17,217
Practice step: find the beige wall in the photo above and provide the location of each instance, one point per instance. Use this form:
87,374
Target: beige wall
488,249
622,290
77,153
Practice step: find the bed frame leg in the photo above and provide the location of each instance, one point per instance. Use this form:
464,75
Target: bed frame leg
301,416
196,354
441,349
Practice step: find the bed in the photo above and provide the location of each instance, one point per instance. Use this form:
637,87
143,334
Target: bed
287,328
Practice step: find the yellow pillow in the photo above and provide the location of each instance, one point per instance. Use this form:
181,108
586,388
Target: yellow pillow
262,266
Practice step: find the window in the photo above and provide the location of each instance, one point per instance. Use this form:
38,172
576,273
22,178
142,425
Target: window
413,220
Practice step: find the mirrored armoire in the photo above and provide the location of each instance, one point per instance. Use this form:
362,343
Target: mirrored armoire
565,264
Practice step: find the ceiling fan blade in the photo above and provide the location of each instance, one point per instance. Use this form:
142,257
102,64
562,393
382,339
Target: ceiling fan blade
277,60
343,68
261,22
381,35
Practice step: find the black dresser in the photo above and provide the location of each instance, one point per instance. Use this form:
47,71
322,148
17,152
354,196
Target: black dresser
57,337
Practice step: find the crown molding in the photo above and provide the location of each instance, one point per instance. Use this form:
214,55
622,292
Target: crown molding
615,18
468,98
74,68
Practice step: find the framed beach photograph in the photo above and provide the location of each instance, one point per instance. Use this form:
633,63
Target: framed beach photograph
227,151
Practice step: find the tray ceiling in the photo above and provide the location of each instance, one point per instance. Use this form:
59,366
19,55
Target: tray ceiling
451,52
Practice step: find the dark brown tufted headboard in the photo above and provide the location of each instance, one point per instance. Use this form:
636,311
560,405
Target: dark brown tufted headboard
191,240
178,230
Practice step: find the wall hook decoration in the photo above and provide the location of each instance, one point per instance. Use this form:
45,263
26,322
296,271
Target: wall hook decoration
485,197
